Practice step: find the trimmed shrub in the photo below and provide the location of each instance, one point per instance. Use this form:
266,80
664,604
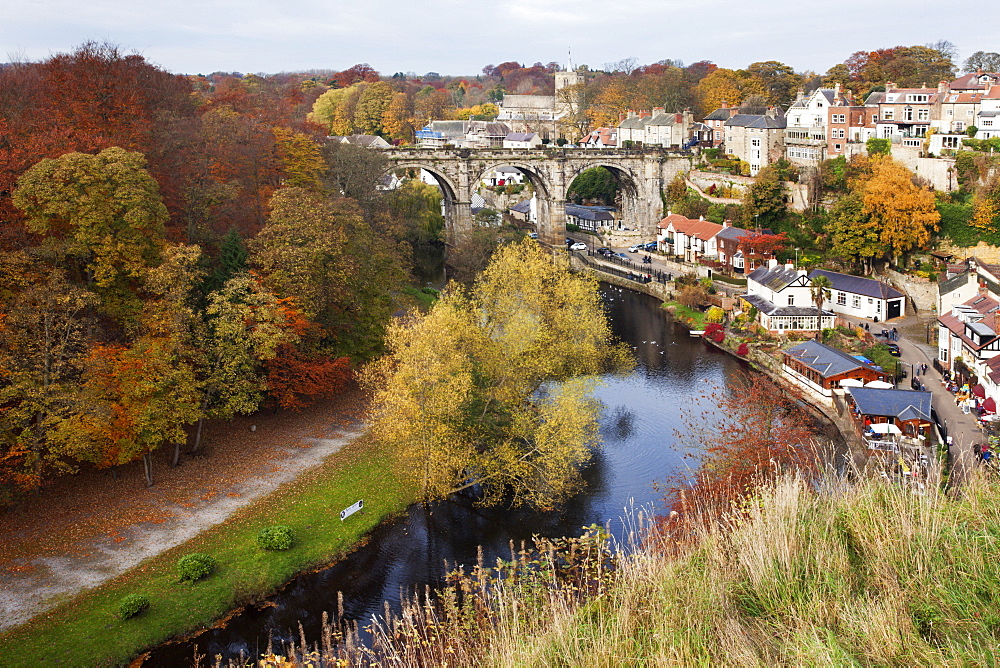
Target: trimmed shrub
195,566
278,537
132,605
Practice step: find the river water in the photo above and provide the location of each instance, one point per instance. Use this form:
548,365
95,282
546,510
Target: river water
645,415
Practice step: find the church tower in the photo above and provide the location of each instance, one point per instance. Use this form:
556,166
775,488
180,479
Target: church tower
568,77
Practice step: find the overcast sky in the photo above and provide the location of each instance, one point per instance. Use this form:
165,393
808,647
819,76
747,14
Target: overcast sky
455,37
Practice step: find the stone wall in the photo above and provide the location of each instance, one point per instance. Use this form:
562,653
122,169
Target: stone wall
983,251
921,293
934,170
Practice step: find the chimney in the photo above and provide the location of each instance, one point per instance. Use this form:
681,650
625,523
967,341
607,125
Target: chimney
942,87
772,263
789,266
772,112
890,85
621,116
658,110
725,105
725,224
631,114
836,91
701,217
799,94
803,272
644,114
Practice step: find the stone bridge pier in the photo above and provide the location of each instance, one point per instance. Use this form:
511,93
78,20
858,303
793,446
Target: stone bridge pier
641,176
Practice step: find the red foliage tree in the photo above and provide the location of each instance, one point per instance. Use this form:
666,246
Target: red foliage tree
755,434
353,75
761,244
295,379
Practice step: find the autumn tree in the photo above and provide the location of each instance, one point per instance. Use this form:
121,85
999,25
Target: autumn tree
903,212
764,200
729,86
777,80
44,335
397,120
372,105
103,210
757,434
301,160
489,390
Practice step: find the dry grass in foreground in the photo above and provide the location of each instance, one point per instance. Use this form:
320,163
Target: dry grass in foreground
837,574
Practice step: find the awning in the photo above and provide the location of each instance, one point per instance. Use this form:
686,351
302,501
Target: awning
979,391
885,428
990,406
880,385
851,382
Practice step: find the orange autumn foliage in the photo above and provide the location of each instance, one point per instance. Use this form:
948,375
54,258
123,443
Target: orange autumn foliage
295,380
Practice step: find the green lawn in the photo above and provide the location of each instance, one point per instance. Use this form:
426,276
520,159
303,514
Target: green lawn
691,317
85,631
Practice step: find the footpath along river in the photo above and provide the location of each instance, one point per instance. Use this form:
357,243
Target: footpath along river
643,414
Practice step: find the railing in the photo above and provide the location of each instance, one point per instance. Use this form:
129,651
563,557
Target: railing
630,270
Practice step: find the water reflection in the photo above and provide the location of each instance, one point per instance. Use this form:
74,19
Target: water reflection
642,414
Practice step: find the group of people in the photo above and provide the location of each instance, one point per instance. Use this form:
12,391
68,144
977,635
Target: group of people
890,334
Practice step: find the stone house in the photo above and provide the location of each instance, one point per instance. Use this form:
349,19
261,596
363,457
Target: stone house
522,140
756,139
716,123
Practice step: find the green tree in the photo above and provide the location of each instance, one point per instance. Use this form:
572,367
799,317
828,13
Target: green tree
468,395
764,200
878,146
986,61
852,233
595,185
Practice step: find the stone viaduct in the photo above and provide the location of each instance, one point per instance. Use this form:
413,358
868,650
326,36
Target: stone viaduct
641,175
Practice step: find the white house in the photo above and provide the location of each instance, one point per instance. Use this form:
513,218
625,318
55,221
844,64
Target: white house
522,140
782,296
806,130
969,346
504,176
600,138
862,297
668,130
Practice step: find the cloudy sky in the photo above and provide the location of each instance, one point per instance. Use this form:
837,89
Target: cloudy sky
455,37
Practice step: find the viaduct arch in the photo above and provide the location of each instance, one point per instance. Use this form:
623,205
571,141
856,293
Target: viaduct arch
641,175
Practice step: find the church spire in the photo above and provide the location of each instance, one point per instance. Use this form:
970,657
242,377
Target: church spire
569,62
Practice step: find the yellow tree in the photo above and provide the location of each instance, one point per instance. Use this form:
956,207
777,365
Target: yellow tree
613,99
301,160
729,86
372,105
397,121
490,389
904,212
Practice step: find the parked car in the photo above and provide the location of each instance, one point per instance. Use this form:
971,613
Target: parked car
569,240
579,245
893,349
604,251
622,255
651,246
637,248
533,235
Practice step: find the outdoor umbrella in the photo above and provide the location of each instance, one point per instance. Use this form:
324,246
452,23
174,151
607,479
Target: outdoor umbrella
880,385
979,391
990,406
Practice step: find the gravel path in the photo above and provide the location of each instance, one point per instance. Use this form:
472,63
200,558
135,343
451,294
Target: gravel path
89,553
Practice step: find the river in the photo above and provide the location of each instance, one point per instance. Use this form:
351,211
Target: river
644,415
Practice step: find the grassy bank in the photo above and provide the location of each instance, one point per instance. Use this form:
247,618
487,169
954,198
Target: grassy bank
865,574
85,631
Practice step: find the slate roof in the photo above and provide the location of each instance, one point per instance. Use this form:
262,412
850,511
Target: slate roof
588,212
858,285
823,359
519,136
769,308
546,102
666,119
719,115
366,141
776,279
900,404
756,121
733,233
449,128
523,206
635,123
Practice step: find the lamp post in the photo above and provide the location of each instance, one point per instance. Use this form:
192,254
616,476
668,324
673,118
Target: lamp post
796,258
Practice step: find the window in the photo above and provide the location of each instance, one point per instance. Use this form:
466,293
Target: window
791,300
755,143
987,122
912,97
839,118
911,142
970,112
908,114
887,115
836,147
841,299
856,301
959,126
875,118
718,135
838,133
923,114
949,142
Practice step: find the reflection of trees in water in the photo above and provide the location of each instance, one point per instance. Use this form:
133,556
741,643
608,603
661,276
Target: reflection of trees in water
619,425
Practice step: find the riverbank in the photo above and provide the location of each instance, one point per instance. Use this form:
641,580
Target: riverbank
83,629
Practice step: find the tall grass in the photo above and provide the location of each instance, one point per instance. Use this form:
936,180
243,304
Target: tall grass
866,573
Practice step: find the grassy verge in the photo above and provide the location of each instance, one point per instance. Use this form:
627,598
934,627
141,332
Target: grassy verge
85,631
691,317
